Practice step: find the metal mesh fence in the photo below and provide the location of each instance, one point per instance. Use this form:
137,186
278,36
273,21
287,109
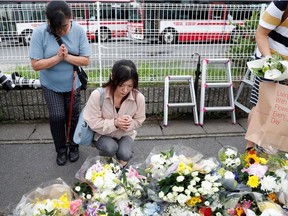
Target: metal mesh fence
159,38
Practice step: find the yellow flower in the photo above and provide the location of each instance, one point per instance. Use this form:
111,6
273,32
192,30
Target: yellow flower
63,202
262,161
193,201
253,181
251,159
239,211
181,167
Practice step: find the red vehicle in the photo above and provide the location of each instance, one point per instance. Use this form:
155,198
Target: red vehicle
171,22
104,20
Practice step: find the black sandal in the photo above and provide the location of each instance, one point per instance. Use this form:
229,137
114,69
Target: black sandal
249,149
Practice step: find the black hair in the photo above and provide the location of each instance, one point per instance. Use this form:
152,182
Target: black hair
122,71
56,13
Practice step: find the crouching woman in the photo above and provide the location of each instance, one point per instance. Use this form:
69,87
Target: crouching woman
118,114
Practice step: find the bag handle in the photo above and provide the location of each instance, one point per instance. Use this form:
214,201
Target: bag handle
60,42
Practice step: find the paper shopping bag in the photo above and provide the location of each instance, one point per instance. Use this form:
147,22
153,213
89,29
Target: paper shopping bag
269,122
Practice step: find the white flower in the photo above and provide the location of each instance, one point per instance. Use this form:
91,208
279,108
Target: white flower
230,152
272,74
136,212
268,183
161,194
181,189
192,182
182,199
237,161
170,196
281,173
229,175
180,178
99,182
175,189
187,192
194,174
89,196
77,188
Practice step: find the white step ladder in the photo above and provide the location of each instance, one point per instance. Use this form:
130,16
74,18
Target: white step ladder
183,78
247,80
228,85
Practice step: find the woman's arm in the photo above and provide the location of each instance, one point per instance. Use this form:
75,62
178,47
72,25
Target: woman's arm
140,114
262,40
77,60
43,64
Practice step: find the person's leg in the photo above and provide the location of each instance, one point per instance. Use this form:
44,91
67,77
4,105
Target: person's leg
57,119
125,150
107,146
250,144
73,148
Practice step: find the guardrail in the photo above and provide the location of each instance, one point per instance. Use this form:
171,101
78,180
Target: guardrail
211,30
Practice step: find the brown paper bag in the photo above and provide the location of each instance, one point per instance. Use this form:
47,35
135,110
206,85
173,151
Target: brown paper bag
269,122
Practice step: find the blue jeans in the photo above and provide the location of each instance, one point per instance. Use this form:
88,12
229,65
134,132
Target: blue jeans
109,147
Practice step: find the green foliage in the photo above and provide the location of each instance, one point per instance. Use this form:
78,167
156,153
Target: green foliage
110,210
243,40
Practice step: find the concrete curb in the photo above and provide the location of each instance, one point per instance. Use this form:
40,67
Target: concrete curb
164,137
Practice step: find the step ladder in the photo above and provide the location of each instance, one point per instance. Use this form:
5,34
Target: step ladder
205,85
247,80
167,105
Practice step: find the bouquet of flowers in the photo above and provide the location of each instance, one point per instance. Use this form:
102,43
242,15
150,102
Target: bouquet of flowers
273,68
251,204
162,162
185,181
50,198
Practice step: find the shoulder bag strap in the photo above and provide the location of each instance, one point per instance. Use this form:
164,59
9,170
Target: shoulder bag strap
101,91
59,41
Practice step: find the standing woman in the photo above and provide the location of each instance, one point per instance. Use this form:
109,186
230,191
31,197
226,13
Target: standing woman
55,66
271,38
120,113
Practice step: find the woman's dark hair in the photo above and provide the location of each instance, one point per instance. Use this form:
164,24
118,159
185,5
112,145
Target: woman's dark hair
122,71
56,13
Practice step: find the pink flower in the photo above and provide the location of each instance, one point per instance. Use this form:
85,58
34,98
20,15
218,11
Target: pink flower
134,173
247,204
75,206
256,169
231,211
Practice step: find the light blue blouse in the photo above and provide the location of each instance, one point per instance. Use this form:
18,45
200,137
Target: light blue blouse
44,45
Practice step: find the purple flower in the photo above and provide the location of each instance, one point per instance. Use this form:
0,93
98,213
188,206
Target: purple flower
256,169
92,209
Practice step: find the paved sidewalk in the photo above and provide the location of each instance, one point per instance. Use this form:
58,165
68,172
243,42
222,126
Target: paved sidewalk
152,129
27,153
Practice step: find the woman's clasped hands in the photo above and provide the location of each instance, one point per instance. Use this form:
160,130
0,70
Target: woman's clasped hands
62,52
123,122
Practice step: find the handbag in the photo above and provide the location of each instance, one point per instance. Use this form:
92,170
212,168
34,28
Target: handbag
268,125
82,77
83,134
80,71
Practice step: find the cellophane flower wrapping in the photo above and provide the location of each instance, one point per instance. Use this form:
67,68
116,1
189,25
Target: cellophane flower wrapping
182,177
272,68
52,197
251,204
